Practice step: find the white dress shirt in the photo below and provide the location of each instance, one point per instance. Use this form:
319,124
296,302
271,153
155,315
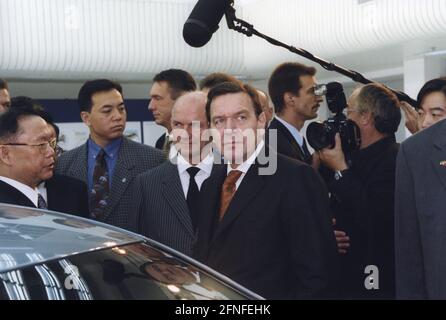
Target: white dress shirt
30,193
244,167
205,167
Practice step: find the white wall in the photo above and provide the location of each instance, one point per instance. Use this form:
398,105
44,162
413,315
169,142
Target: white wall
69,90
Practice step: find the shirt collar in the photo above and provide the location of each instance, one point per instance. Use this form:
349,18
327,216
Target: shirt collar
183,164
244,167
293,130
111,150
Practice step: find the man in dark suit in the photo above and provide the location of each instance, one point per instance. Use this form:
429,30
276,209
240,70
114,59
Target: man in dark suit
164,207
362,193
420,234
291,87
107,162
27,158
264,218
167,86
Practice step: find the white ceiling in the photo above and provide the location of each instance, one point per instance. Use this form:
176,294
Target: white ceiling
132,40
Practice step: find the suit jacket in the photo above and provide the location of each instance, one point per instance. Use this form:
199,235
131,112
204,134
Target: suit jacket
160,142
11,195
67,195
420,219
160,208
286,144
363,204
276,237
134,158
64,194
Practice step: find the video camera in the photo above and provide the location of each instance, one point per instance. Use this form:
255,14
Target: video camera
321,135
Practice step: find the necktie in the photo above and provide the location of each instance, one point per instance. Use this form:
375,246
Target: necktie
307,155
228,191
100,191
193,196
41,203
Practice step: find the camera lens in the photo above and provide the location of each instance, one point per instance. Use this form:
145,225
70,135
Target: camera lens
320,90
318,135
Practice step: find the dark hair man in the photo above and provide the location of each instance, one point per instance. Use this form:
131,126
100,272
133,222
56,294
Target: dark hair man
419,202
216,78
269,232
27,162
168,85
291,88
108,162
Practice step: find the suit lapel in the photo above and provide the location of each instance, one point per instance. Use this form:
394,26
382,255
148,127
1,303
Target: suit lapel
286,134
79,166
52,193
122,176
439,153
173,193
251,184
11,195
209,203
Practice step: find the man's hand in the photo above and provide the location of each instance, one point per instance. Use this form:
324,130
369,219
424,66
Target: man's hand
334,158
342,240
316,161
412,117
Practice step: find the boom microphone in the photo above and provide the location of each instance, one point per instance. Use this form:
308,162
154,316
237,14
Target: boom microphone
203,21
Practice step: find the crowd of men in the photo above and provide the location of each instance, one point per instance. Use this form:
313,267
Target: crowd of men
233,183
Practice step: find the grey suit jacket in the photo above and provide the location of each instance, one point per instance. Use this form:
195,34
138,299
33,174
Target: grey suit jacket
133,159
160,209
420,216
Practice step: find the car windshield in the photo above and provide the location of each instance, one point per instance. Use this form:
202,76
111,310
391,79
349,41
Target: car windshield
134,271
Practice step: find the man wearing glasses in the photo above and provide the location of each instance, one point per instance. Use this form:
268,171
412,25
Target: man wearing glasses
27,158
362,186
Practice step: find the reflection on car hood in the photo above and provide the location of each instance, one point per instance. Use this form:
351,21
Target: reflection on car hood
29,236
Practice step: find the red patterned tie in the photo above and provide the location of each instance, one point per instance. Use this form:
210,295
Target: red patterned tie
101,189
228,191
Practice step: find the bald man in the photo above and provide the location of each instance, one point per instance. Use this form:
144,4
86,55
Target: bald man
166,198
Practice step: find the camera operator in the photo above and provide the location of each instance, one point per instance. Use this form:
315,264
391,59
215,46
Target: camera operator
362,191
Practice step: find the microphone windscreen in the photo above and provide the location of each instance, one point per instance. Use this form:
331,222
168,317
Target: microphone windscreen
203,21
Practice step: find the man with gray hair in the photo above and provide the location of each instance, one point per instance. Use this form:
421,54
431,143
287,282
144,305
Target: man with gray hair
166,198
362,187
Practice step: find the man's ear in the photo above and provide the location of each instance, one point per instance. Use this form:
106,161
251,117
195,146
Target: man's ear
5,155
366,118
288,98
85,116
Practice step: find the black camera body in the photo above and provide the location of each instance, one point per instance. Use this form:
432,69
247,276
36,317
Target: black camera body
321,135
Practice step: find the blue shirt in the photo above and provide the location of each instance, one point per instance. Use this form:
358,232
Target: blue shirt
111,157
293,130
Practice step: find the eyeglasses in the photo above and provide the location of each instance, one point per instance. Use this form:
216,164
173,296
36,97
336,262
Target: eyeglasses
348,111
41,146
